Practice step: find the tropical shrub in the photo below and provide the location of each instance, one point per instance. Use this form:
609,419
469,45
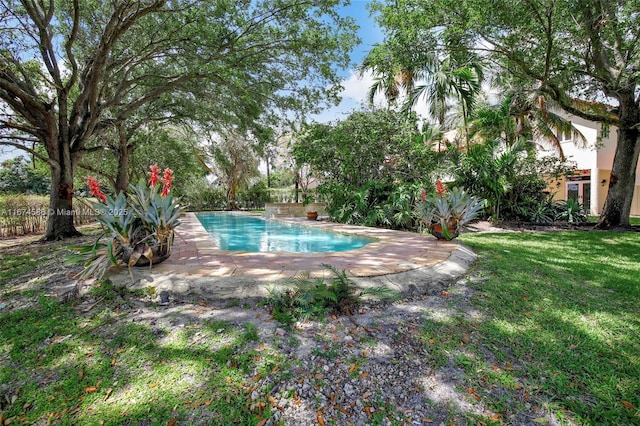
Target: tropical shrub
374,204
509,178
199,195
447,211
136,227
305,298
571,211
255,196
545,211
370,166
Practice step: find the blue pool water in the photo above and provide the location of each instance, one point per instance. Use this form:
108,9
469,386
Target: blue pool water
254,234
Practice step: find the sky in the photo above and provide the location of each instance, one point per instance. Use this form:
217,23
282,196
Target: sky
356,88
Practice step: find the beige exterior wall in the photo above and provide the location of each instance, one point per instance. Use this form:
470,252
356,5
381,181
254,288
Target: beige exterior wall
596,157
603,176
635,204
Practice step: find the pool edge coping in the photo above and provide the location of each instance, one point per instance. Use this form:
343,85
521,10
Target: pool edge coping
203,271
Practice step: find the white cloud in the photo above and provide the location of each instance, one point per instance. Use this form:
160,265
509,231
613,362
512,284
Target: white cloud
355,96
356,87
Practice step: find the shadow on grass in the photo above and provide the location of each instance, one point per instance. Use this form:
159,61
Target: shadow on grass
61,368
562,321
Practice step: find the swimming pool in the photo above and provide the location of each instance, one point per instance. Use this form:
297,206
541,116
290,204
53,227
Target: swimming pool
253,234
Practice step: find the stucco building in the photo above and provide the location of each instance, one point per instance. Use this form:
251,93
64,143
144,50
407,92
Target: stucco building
590,183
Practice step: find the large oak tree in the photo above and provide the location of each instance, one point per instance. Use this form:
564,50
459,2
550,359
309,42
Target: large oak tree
582,54
71,70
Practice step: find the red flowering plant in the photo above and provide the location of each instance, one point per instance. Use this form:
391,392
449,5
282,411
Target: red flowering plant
160,213
445,212
139,226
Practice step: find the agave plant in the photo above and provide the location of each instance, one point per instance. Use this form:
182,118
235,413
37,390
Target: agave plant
122,231
159,214
571,211
139,227
446,212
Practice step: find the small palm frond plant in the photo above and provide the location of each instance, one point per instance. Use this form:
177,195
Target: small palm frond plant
303,297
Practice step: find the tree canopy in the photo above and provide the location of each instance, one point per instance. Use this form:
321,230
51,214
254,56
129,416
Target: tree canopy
71,70
367,146
583,55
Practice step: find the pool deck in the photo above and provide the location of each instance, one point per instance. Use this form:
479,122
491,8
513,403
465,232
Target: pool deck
396,259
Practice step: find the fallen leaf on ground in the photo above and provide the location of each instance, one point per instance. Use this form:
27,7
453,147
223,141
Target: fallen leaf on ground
628,405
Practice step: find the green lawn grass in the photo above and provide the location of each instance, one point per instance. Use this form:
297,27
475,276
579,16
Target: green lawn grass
560,325
633,221
553,322
63,368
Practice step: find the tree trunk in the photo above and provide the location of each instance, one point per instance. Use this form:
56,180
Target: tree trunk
122,174
60,222
268,170
297,185
231,197
617,206
124,155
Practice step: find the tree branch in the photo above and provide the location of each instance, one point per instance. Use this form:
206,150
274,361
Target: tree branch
24,148
98,172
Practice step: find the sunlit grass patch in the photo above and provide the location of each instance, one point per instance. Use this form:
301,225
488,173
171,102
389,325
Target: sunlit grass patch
562,312
64,368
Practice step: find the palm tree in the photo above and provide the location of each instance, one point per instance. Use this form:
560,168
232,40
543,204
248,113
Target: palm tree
391,76
524,114
445,80
442,80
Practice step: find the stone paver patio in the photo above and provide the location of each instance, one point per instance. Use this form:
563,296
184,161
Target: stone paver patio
195,253
400,260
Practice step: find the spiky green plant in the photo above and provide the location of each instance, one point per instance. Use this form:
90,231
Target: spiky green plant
571,211
306,297
139,226
451,210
